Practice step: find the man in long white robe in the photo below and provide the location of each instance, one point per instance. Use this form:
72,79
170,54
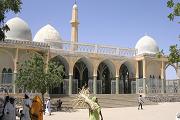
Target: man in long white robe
48,107
26,108
10,110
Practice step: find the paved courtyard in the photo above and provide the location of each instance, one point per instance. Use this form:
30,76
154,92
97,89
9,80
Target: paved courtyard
163,111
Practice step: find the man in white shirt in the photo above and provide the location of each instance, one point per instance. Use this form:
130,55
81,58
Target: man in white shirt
140,101
26,108
10,110
48,106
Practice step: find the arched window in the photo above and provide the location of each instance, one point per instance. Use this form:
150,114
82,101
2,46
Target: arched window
9,76
150,76
4,71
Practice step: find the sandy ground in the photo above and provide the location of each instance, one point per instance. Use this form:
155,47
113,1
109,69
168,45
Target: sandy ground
163,111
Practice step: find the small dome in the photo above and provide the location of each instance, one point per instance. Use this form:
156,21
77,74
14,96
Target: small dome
47,34
75,6
147,45
19,30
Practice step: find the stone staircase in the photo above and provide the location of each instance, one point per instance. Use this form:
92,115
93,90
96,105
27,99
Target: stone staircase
106,100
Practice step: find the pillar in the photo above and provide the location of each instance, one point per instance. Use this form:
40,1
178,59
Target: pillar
144,76
117,84
137,76
70,84
47,60
95,84
118,66
15,69
162,77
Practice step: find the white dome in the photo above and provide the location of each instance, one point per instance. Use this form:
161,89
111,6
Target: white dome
47,34
75,6
147,45
19,30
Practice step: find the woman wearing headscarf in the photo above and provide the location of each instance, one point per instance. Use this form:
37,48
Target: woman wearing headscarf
95,114
37,109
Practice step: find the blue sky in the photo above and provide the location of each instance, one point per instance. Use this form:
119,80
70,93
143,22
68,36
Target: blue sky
120,23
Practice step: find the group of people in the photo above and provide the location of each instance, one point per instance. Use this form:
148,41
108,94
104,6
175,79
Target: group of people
10,112
32,109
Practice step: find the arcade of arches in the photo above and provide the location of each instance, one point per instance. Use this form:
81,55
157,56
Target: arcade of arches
103,76
83,76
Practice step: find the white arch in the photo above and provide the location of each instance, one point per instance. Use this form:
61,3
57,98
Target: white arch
110,65
10,58
169,64
130,67
8,54
64,61
170,68
87,62
24,57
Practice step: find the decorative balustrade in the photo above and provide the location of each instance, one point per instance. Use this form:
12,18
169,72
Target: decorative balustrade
91,48
155,85
26,44
172,86
67,46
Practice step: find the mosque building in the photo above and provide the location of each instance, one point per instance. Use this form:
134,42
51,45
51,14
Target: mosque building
104,69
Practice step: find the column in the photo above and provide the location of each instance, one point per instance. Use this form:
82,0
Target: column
137,76
117,64
178,76
47,60
95,84
46,57
162,77
144,76
117,84
70,84
15,70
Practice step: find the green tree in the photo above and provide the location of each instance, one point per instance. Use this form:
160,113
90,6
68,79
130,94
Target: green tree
7,6
175,6
174,56
33,74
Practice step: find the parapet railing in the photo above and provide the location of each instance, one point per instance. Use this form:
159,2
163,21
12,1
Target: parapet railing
91,48
24,44
67,46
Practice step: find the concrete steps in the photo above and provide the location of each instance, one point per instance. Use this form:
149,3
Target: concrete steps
107,100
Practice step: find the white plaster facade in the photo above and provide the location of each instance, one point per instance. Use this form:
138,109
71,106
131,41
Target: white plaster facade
106,70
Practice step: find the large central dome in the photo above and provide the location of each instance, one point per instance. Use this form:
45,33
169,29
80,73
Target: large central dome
147,45
19,30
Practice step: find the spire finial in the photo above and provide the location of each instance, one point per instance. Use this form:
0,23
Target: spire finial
75,2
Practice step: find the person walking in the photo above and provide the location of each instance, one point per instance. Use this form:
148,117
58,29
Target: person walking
177,116
26,107
140,102
95,114
6,100
48,106
37,109
59,103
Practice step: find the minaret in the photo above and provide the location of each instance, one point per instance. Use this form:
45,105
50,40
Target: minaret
74,24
